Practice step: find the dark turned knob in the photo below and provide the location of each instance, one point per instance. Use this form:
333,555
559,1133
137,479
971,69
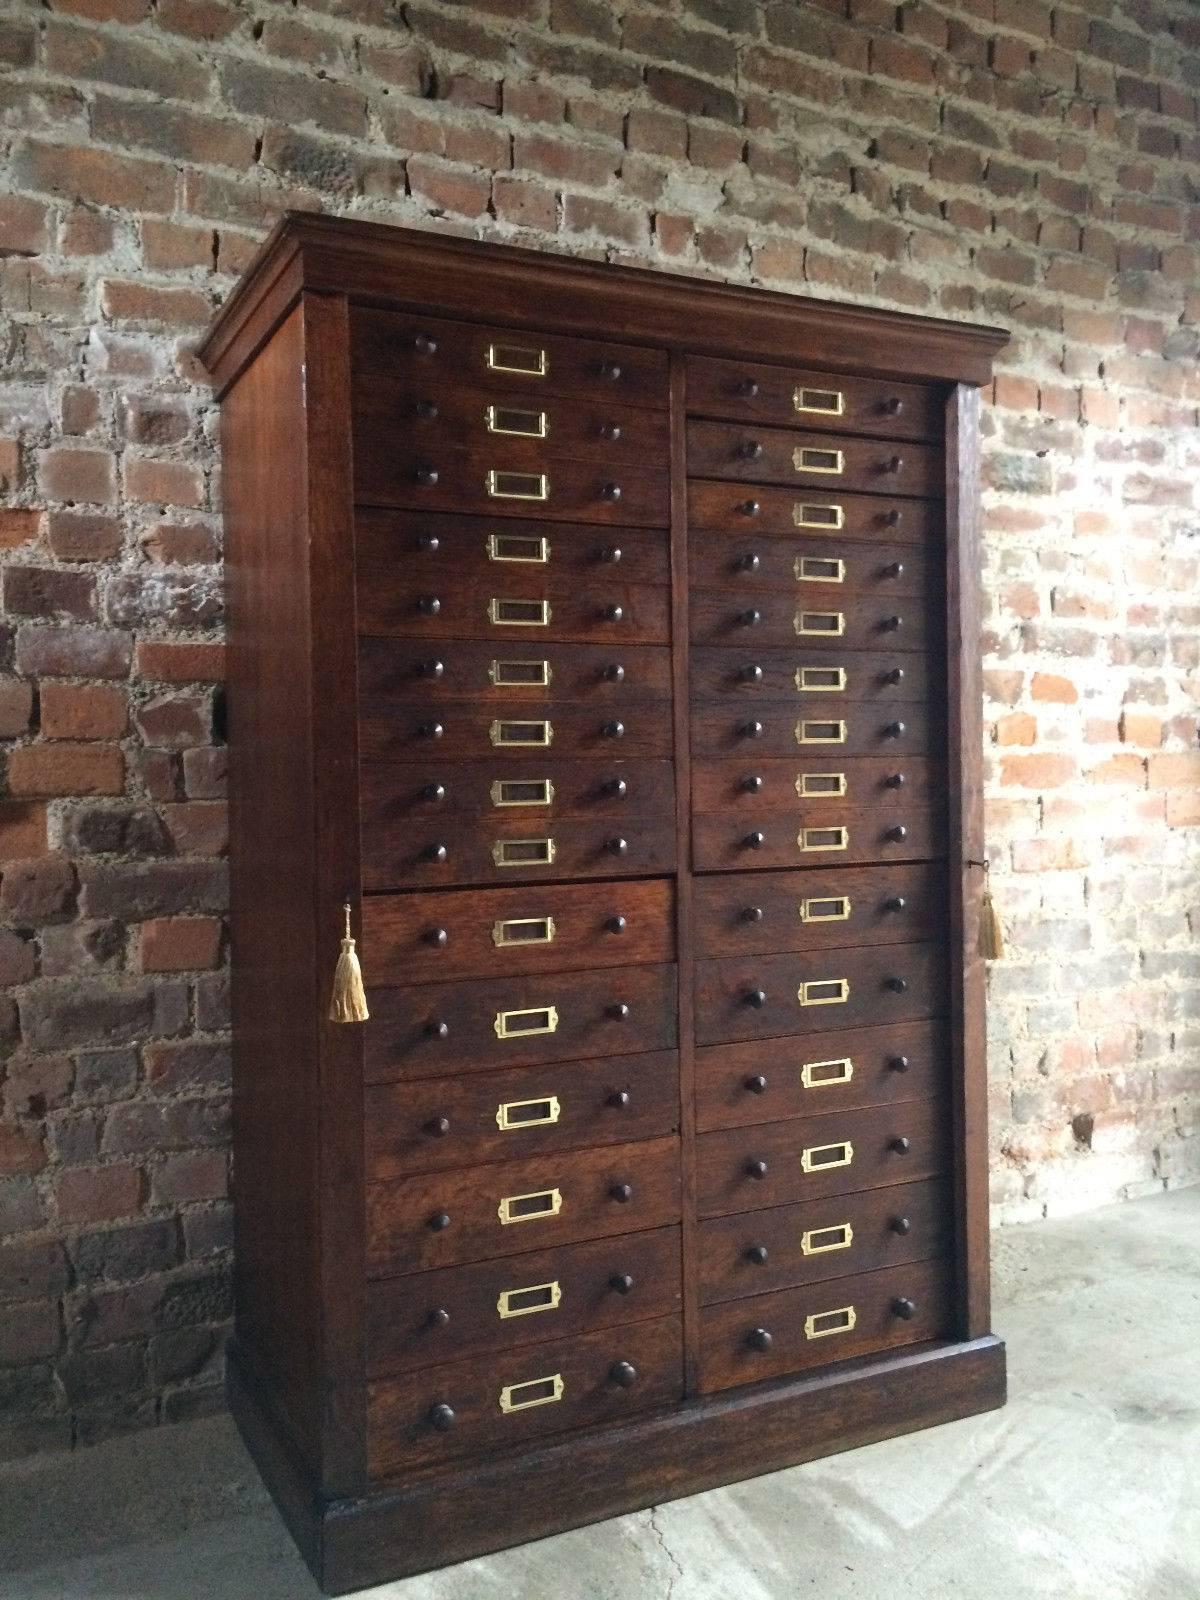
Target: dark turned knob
754,841
752,784
752,450
897,985
430,669
619,1099
891,624
757,1084
894,569
894,517
614,613
439,1221
751,730
426,475
895,464
610,430
898,1064
621,1192
426,408
438,1126
623,1373
758,1339
900,1225
749,508
751,674
900,1145
433,791
896,675
895,730
613,730
614,672
612,554
752,914
896,781
898,833
611,370
438,937
425,344
620,1283
617,787
905,1309
429,605
435,852
438,1030
611,491
756,998
617,847
757,1253
618,1011
438,1318
428,541
750,619
748,387
441,1417
892,406
747,563
756,1168
896,903
431,730
616,924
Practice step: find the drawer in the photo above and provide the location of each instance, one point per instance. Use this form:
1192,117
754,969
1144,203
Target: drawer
756,997
822,728
769,1080
445,1219
903,832
513,847
814,566
789,1246
795,397
423,1032
427,1318
491,1404
437,789
762,913
745,1341
758,787
494,482
811,678
398,354
754,454
486,933
774,1164
825,621
435,551
478,673
733,509
408,730
434,1123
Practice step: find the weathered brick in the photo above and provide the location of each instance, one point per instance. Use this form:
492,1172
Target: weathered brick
66,768
83,711
84,1196
180,944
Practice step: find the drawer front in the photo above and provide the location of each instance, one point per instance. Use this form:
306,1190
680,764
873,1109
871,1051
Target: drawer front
758,997
418,1322
734,509
847,727
446,1219
809,836
432,1124
812,621
753,454
399,354
504,680
491,1404
771,1080
788,1246
745,1341
809,678
774,1164
814,565
818,785
513,847
485,933
437,789
765,913
404,730
518,1021
793,397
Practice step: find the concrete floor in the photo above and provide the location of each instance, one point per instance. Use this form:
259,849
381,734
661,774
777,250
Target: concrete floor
1086,1487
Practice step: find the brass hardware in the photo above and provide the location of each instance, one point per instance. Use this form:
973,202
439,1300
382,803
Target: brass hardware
820,624
820,1241
820,732
523,930
808,514
535,1392
823,839
518,547
819,569
524,852
823,1323
528,1301
815,785
826,908
529,1207
824,992
517,485
526,1022
821,402
821,680
522,792
519,613
805,458
517,358
520,674
822,1157
507,735
821,1074
515,1114
527,424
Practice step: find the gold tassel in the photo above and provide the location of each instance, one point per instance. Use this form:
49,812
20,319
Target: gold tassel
349,1002
991,934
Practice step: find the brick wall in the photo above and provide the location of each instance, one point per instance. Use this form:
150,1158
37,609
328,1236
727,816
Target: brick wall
1019,161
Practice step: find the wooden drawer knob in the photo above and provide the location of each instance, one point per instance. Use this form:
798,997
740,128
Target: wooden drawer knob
617,787
431,730
752,784
616,924
896,903
618,1011
897,985
898,833
429,605
428,541
610,431
892,624
756,998
756,1167
614,672
430,669
425,344
426,409
611,491
748,388
751,674
894,569
757,1253
751,450
892,406
617,847
751,618
755,840
756,1084
620,1283
896,781
623,1373
433,791
759,1339
900,1145
427,476
900,1225
896,675
747,563
621,1192
613,730
438,1126
749,508
439,1317
611,553
895,730
440,1221
611,370
435,852
751,730
614,613
898,1064
904,1308
441,1417
752,914
438,1030
437,937
619,1099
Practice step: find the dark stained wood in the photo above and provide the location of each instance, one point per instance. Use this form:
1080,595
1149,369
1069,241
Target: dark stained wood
809,835
434,790
578,674
407,730
815,620
808,678
755,392
819,461
721,786
765,512
811,564
815,727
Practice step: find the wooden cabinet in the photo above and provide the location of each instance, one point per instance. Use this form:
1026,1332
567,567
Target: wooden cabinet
606,642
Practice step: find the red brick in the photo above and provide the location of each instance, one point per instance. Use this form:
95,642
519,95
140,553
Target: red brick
1048,686
83,711
48,592
24,226
123,301
168,662
164,483
1141,729
208,20
82,536
59,769
1017,728
66,473
180,944
198,827
21,1150
448,189
524,202
98,176
16,707
86,232
1042,771
18,962
194,1175
18,526
87,1195
172,722
74,652
183,544
22,830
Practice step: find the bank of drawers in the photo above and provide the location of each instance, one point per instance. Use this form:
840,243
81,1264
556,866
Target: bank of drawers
818,748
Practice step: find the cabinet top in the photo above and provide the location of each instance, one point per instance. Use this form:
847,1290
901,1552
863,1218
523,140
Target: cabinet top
469,279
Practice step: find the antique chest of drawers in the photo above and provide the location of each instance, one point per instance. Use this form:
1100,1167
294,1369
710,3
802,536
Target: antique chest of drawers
606,644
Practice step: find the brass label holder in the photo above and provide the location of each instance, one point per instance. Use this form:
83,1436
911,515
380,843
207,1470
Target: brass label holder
529,1300
522,931
822,1323
513,1115
532,1207
526,1023
517,358
824,1074
534,1392
824,1157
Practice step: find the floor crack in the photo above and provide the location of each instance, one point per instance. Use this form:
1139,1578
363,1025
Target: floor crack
666,1550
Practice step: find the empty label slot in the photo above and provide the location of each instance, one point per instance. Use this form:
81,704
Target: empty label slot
529,1207
807,459
507,419
525,1302
517,485
522,792
506,735
819,569
807,514
517,358
523,852
821,680
520,613
824,838
830,908
824,992
517,547
527,1113
524,1023
820,733
537,1392
820,1241
820,402
520,674
524,930
821,1074
825,1322
820,1157
810,785
830,624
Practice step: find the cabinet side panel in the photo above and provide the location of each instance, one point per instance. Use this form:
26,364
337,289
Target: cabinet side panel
272,852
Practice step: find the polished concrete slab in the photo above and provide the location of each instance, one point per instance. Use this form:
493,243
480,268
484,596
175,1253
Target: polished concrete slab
1086,1487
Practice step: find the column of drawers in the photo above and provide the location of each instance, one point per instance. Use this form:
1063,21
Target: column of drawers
818,754
518,850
